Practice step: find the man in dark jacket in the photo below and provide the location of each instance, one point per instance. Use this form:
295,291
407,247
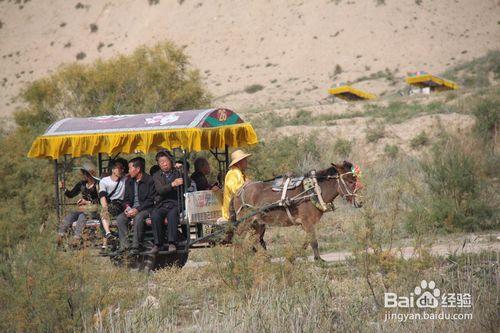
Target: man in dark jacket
138,203
168,184
201,171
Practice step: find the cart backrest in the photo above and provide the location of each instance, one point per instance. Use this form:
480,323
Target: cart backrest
203,206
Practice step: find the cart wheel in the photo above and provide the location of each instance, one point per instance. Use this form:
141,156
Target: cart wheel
171,259
147,263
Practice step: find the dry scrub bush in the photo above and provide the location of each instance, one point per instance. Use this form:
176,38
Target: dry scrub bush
301,296
43,289
156,79
458,189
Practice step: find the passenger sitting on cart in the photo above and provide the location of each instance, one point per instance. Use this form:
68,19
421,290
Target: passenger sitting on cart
138,202
86,206
154,169
111,193
235,178
201,171
168,184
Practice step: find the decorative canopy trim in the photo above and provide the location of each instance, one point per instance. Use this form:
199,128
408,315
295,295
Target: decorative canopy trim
191,130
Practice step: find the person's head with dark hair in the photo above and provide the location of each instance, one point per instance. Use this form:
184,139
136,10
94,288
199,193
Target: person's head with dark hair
201,165
117,167
164,153
136,167
165,160
124,162
154,169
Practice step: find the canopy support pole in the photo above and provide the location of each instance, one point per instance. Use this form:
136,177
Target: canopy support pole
226,156
99,163
56,182
185,178
222,158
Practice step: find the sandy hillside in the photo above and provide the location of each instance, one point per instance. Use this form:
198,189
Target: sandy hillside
291,48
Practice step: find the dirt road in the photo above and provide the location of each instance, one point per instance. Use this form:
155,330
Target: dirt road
460,245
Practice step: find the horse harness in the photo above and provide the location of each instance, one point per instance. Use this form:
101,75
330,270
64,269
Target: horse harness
312,191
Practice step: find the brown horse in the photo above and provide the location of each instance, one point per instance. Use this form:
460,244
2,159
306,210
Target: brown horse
304,206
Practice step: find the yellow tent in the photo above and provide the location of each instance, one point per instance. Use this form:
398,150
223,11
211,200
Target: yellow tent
424,80
349,93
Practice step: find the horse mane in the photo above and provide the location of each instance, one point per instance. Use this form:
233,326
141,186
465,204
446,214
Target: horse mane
348,165
331,171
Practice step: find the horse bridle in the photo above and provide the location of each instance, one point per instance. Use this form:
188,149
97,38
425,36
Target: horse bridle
344,190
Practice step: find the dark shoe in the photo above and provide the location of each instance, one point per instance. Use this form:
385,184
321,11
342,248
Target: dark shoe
154,250
109,236
172,248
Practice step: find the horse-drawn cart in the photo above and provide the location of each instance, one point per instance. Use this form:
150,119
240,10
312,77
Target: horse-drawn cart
183,132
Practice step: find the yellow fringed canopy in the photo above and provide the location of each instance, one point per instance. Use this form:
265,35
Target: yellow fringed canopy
349,93
193,130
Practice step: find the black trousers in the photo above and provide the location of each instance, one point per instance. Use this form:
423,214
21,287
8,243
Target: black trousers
158,217
123,220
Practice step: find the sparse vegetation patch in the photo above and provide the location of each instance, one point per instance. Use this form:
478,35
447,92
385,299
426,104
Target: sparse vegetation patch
252,89
81,55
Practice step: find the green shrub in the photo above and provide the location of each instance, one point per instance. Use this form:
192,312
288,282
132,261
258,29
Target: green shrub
476,73
269,120
281,156
302,117
27,198
397,112
342,147
487,119
81,55
455,179
391,151
338,70
149,80
253,88
46,290
373,134
420,140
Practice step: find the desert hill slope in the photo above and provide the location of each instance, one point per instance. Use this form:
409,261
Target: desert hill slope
290,51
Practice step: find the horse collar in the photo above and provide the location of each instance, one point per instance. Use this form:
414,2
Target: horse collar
311,185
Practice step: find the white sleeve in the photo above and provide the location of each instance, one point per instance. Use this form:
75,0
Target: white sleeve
103,186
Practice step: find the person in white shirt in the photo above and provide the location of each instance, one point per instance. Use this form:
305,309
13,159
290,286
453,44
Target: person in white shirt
111,192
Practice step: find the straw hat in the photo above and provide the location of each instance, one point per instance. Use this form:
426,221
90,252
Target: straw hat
90,168
237,156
